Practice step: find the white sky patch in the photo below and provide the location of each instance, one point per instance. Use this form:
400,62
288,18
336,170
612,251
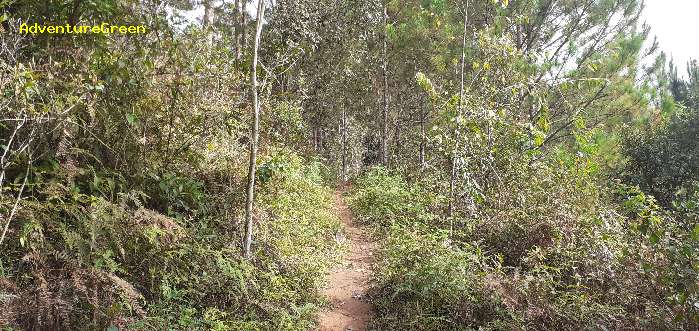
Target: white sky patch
195,15
676,24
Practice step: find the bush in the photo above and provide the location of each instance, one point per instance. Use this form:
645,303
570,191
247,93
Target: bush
84,259
570,263
381,198
424,282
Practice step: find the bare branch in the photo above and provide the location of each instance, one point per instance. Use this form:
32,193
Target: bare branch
14,208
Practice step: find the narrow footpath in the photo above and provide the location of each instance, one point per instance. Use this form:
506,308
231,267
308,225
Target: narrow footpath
348,282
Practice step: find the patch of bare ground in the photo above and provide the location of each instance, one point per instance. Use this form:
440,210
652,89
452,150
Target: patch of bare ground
349,282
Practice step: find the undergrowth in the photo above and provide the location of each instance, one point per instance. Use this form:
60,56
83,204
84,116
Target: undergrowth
569,263
104,258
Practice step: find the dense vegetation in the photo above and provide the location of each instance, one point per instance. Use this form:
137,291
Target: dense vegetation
614,260
519,165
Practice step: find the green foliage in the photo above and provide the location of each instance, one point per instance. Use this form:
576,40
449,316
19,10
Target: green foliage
423,280
133,154
563,260
382,198
426,283
672,236
179,272
206,284
662,160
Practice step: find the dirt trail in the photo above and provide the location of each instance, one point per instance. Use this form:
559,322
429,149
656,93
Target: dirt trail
349,282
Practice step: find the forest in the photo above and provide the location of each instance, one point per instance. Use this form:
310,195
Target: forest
345,165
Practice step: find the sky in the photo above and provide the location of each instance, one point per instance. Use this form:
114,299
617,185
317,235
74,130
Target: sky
676,24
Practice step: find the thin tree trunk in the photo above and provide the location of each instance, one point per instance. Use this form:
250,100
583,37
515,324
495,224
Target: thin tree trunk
423,139
454,165
397,123
255,132
321,137
14,208
239,29
243,26
315,140
208,23
344,145
384,133
396,138
463,59
452,186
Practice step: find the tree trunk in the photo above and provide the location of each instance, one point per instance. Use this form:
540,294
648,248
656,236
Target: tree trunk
423,139
344,145
316,148
384,133
459,111
243,26
208,23
255,133
321,137
396,137
239,29
452,186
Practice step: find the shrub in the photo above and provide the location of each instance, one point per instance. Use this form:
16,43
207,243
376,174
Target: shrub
87,259
381,198
568,260
424,282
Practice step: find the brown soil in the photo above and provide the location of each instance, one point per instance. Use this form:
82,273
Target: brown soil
348,283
